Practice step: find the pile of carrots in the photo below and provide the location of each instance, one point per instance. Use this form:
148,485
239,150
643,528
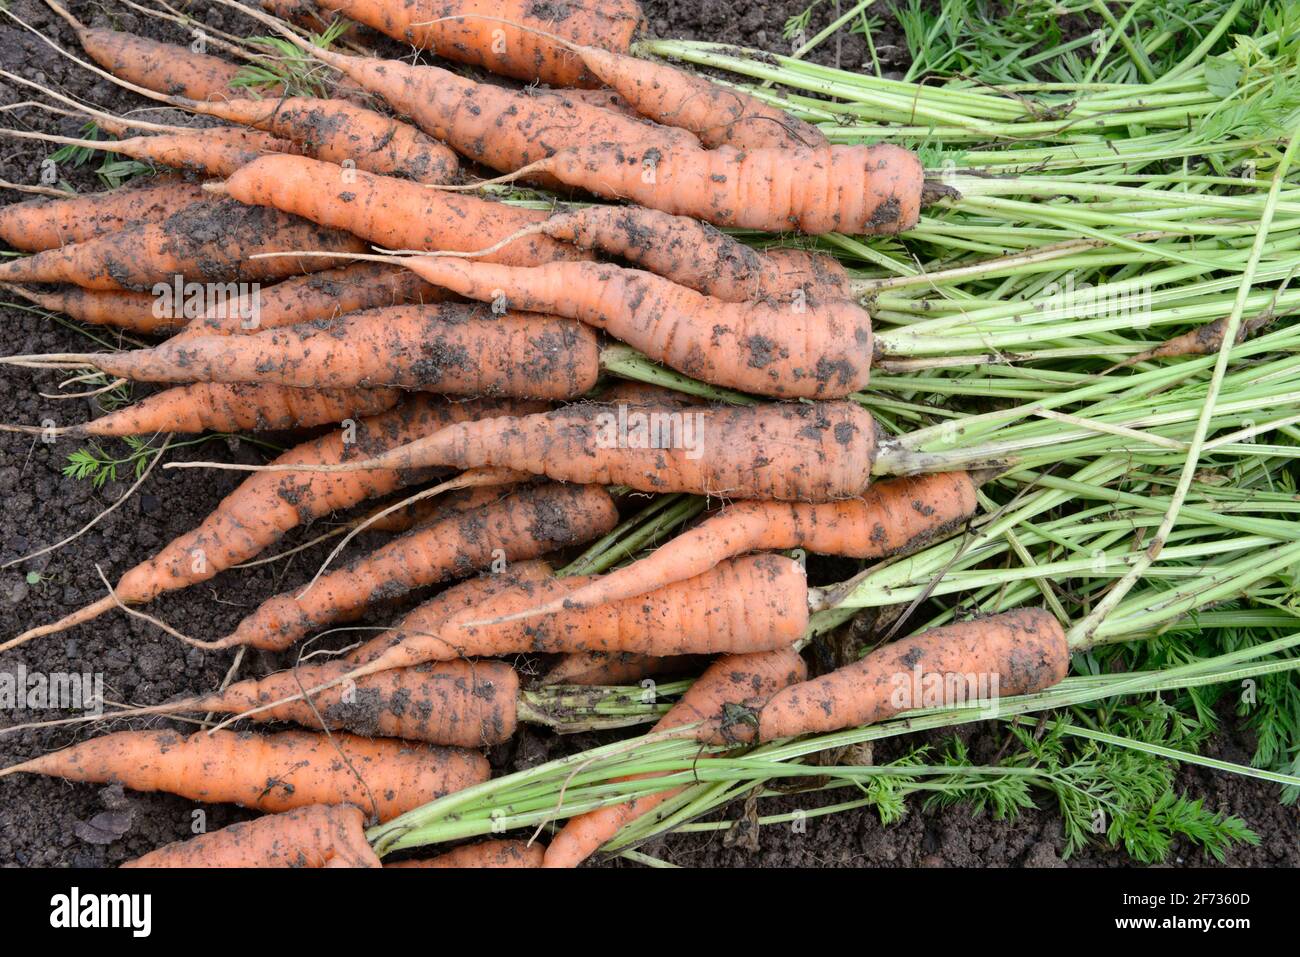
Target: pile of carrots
460,345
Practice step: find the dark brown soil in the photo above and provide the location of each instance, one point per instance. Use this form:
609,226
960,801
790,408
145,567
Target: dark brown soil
43,821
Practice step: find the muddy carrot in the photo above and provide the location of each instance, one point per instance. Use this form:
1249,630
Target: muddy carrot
49,223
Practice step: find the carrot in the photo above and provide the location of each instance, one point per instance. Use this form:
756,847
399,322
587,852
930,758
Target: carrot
871,190
390,212
498,127
272,772
322,295
421,512
165,67
206,407
688,252
470,704
48,223
339,131
205,242
628,392
718,115
217,151
123,309
892,517
317,836
444,347
331,129
484,854
811,350
602,97
756,603
732,680
450,28
523,525
613,668
265,507
1017,652
813,452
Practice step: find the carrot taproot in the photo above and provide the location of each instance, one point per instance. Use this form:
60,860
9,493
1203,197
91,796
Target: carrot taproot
890,518
450,348
484,854
819,350
614,668
471,704
755,603
210,407
209,241
390,212
801,452
265,507
602,97
120,308
40,224
718,115
270,772
214,151
522,525
688,252
331,129
165,67
868,190
316,836
339,131
739,680
451,28
321,295
1016,652
501,128
421,512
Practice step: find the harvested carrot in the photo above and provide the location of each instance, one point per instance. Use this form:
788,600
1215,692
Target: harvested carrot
48,223
165,67
318,836
800,452
756,603
1016,652
265,507
522,525
690,253
272,772
595,96
339,131
891,517
217,151
498,127
732,680
870,190
450,28
484,854
135,311
208,407
718,115
207,242
322,295
472,704
815,350
450,348
390,212
614,668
